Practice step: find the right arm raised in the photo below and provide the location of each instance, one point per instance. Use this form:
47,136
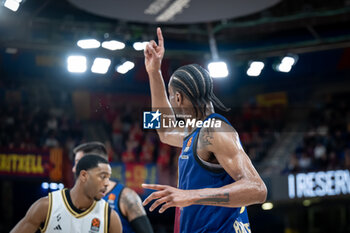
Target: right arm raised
34,217
153,58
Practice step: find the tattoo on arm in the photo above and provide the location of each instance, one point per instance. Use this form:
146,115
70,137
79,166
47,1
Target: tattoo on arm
206,137
214,199
132,204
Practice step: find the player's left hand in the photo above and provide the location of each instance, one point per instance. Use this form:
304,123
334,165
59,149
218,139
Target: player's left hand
172,197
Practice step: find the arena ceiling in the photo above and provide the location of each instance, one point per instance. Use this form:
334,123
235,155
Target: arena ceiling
173,12
241,28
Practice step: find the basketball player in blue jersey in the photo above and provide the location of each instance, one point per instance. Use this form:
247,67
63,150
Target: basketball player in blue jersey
123,200
216,177
80,209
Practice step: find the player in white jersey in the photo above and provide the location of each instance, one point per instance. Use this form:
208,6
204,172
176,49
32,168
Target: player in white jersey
80,209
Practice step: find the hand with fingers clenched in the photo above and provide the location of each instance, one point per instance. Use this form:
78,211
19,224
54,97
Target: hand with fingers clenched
154,54
167,196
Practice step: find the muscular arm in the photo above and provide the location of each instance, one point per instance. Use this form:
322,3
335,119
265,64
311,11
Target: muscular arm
153,58
247,189
115,224
131,206
33,218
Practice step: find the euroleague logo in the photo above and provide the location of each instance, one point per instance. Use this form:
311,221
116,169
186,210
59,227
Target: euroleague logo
95,225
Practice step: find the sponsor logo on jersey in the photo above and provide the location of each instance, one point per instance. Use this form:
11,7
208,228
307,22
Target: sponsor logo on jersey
183,156
111,199
188,145
95,225
57,228
58,217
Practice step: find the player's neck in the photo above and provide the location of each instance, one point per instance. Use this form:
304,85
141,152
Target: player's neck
79,199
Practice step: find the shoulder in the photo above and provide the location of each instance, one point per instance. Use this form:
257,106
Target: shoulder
39,209
209,135
43,204
128,195
130,204
219,140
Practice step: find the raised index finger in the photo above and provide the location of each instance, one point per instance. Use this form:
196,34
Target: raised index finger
160,37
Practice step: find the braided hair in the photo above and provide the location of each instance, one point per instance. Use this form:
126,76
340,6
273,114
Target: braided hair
196,83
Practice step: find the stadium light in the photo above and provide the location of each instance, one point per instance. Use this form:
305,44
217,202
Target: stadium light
13,5
76,64
44,185
286,64
255,68
138,46
267,206
60,186
288,60
113,45
125,67
285,68
218,69
101,65
53,186
89,44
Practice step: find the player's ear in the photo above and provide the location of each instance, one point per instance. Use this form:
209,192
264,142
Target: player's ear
83,176
178,98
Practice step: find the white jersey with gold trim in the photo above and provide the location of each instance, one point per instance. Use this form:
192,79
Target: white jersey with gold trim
62,217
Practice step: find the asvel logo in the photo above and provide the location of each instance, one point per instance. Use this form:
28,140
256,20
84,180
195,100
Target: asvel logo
151,120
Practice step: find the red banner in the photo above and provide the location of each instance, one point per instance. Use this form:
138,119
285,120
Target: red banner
37,163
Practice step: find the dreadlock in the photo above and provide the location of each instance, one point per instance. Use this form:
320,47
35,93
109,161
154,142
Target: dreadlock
196,83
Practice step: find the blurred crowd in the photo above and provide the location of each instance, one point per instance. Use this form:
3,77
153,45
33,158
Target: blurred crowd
30,128
326,143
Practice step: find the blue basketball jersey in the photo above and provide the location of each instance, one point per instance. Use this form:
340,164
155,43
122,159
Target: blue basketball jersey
195,173
112,198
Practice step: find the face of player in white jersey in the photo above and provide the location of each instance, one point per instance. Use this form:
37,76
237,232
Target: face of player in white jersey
96,181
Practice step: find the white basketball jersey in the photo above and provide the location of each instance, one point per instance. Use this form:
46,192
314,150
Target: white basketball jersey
62,218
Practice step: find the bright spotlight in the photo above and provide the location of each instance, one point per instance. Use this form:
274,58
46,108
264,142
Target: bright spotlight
129,65
255,68
267,206
218,69
76,64
53,186
125,67
288,60
138,46
113,45
100,65
89,44
60,186
286,63
284,67
44,185
13,5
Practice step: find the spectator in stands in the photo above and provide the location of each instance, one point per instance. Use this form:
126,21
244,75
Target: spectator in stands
305,162
129,155
347,159
117,135
147,151
51,141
